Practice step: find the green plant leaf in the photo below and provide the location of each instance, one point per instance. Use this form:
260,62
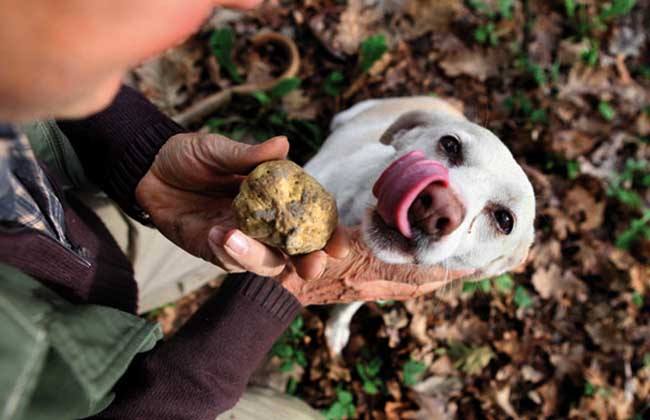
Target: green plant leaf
221,42
606,110
286,366
486,34
505,8
539,116
638,228
261,97
570,7
284,87
296,327
336,411
412,371
371,50
283,350
292,386
370,388
504,283
572,169
471,360
334,83
590,389
470,287
522,297
637,299
344,396
617,8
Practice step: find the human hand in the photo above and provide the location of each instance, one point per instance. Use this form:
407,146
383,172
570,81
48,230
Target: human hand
188,192
360,276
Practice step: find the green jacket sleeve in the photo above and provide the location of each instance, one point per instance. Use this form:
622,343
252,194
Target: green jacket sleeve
59,360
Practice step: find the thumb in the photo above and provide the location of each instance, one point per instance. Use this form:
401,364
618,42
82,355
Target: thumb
233,157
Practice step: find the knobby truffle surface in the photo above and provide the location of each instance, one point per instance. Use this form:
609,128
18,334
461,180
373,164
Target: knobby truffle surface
283,206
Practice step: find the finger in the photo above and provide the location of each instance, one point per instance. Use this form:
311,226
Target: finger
231,157
253,255
339,244
221,257
310,266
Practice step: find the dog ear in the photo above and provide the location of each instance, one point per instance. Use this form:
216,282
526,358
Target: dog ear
405,123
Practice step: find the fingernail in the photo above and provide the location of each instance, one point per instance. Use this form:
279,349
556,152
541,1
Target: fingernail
216,236
237,243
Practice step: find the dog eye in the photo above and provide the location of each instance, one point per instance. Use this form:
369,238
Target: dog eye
505,220
451,146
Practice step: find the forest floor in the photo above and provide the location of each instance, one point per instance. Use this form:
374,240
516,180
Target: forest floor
566,85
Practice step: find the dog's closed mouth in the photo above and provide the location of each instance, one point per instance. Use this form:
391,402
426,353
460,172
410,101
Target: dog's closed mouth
401,183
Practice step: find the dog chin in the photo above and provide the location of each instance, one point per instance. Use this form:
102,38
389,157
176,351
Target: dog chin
390,246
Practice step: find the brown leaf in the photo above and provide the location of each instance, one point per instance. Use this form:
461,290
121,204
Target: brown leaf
427,15
643,123
299,106
394,321
572,143
640,278
354,26
170,79
530,374
585,211
502,397
545,31
552,282
474,63
568,360
548,391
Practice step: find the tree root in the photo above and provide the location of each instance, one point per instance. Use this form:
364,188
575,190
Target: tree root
208,105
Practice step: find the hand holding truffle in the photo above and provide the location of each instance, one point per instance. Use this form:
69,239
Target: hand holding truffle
189,193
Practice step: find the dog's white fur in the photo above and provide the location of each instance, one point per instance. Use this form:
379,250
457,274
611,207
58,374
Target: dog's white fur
353,157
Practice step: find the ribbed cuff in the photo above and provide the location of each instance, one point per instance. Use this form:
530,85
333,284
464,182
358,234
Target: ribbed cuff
265,292
118,145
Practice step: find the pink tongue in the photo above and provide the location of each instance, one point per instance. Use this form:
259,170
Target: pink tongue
400,184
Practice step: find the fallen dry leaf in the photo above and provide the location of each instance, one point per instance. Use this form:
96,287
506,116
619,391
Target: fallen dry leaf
473,63
170,79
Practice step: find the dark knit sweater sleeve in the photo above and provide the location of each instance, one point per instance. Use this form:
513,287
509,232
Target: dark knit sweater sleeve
202,371
117,146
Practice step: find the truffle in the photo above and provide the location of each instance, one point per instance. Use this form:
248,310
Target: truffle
281,205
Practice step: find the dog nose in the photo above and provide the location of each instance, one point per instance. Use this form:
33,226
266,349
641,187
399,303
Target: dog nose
437,210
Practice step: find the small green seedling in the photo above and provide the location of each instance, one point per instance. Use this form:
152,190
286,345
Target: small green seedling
371,50
606,110
504,283
637,299
472,286
334,83
369,374
412,371
486,34
616,8
591,54
343,407
287,348
522,297
639,228
221,42
471,360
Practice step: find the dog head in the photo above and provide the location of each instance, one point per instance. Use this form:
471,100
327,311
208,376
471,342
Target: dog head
452,195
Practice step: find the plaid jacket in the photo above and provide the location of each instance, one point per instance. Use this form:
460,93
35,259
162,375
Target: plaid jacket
26,195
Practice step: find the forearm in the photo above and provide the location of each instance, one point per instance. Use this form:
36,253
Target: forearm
118,145
203,370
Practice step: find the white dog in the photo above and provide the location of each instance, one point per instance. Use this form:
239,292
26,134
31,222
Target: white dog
428,187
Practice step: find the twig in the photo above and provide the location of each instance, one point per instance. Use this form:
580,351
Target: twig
208,105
